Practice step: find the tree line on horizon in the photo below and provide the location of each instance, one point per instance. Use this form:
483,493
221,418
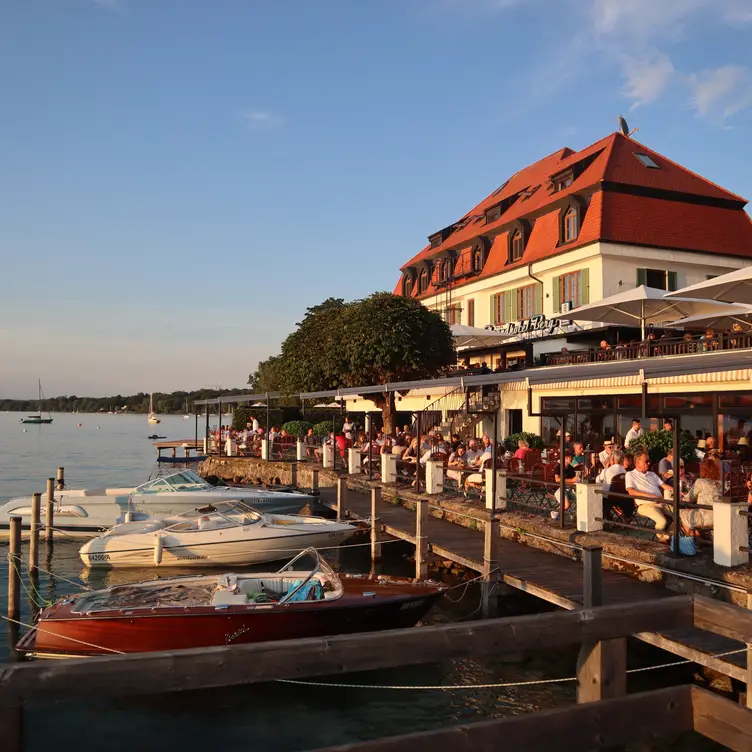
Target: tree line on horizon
164,404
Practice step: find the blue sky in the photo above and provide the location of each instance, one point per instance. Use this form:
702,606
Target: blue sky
182,178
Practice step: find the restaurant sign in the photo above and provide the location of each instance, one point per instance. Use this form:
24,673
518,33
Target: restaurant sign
536,326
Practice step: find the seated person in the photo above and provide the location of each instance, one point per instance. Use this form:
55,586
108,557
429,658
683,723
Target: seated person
570,478
476,480
615,468
456,460
523,448
578,454
705,490
648,488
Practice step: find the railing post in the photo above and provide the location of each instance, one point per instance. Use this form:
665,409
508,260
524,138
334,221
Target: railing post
434,477
60,478
14,569
730,533
501,490
375,545
389,468
421,539
341,498
265,449
300,451
601,666
327,455
490,582
36,509
50,509
353,461
315,482
589,508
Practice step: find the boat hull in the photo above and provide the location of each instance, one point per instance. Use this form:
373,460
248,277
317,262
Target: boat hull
235,547
152,632
36,421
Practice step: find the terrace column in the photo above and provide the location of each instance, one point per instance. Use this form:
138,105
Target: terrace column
300,452
589,507
327,455
353,461
231,447
388,468
729,534
434,477
265,449
501,490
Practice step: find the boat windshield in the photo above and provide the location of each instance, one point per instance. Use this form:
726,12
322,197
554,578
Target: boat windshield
216,517
183,481
302,561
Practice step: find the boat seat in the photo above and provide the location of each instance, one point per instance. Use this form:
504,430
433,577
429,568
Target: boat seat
226,598
115,492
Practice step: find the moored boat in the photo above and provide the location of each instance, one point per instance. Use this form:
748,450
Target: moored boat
38,419
226,533
90,511
229,609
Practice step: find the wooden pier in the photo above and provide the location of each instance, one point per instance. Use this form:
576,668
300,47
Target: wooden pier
550,577
186,445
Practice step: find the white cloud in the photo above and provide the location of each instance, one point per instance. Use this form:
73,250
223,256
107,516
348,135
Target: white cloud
723,92
263,120
647,79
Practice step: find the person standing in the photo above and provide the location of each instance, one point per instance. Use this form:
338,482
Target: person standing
634,433
347,429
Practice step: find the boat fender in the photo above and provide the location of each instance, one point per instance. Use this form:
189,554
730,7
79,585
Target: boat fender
157,550
128,517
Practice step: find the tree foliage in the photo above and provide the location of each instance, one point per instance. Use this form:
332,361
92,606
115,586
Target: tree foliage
660,444
381,339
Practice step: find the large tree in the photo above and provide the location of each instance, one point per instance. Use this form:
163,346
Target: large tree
382,339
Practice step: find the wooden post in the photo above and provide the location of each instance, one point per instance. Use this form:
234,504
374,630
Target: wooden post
749,659
421,539
50,510
36,509
159,452
60,478
341,498
14,571
490,583
187,451
11,722
294,474
174,451
315,483
601,666
375,545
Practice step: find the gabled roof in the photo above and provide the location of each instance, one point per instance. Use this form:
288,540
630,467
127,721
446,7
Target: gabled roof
668,207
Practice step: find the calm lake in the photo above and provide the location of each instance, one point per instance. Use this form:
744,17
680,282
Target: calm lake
113,450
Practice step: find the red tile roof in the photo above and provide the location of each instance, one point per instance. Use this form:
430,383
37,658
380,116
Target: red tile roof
622,216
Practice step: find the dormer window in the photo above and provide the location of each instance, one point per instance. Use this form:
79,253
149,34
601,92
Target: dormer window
436,240
423,281
571,224
517,246
493,214
443,270
560,182
477,260
406,286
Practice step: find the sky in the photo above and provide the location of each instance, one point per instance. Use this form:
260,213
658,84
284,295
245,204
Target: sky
180,179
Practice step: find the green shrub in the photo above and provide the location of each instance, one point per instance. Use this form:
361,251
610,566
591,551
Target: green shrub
660,443
297,427
241,416
533,441
323,428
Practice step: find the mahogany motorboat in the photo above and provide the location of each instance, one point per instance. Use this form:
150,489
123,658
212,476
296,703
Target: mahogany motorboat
228,609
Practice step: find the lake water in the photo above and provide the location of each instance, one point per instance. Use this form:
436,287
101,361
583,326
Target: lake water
114,450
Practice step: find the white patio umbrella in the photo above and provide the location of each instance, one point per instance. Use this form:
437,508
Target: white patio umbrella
734,287
259,404
738,314
640,306
329,405
466,337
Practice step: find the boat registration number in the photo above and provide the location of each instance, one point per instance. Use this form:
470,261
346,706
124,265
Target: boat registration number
99,557
411,604
336,535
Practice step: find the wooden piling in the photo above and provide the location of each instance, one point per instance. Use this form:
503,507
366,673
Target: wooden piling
36,508
11,723
174,451
60,478
341,498
602,665
14,569
50,509
421,539
187,452
375,545
490,584
315,483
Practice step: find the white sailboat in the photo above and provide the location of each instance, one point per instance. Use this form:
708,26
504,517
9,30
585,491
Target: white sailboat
152,418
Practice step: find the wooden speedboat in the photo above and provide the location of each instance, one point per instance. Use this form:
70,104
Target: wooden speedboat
298,600
226,533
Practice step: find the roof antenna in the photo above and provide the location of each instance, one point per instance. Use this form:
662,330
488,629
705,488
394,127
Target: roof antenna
624,128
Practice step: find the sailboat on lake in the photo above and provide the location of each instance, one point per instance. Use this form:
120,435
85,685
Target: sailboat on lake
152,418
38,419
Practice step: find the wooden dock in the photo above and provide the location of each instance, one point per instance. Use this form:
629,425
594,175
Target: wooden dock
550,577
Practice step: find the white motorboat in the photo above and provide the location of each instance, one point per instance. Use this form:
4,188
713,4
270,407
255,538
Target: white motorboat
228,532
89,511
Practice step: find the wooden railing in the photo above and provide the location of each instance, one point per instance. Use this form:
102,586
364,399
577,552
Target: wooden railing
609,717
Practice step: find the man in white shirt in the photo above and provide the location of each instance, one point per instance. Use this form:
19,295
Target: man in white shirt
647,488
605,455
609,473
254,424
347,428
634,433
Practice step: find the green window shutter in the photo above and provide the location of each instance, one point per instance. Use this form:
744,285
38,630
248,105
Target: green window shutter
494,319
515,296
585,286
671,281
508,312
642,277
539,297
557,294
